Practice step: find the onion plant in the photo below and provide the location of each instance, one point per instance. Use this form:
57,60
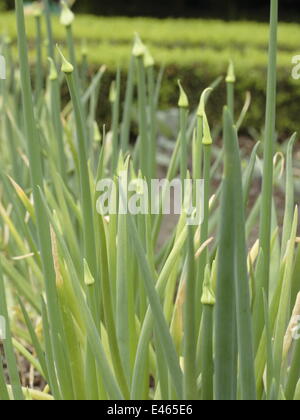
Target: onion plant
113,307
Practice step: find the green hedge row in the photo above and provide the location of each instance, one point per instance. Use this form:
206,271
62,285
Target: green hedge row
196,51
198,77
172,32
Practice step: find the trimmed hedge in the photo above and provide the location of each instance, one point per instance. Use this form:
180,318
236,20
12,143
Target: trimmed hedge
215,33
197,51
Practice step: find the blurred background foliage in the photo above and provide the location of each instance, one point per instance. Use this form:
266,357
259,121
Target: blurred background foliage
197,52
225,9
